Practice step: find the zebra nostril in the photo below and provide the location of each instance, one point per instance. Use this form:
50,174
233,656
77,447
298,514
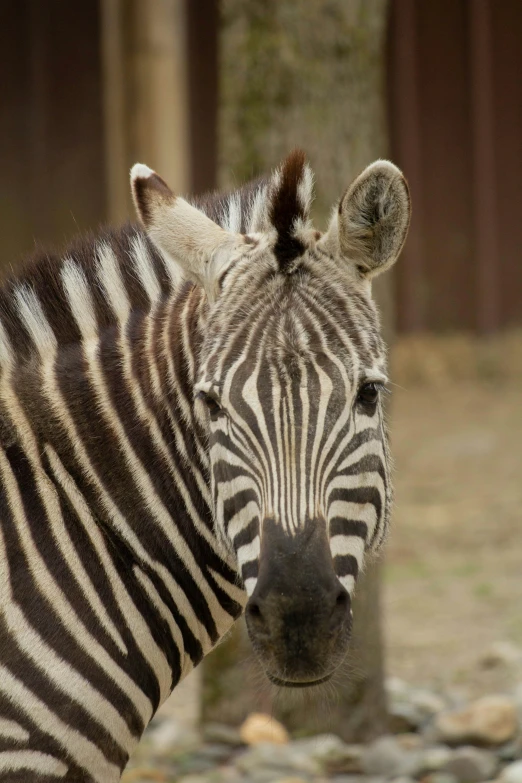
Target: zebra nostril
342,601
254,611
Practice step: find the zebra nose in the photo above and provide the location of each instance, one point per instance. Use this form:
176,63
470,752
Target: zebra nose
266,610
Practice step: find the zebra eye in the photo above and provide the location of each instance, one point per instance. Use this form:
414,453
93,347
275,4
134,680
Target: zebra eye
214,408
369,393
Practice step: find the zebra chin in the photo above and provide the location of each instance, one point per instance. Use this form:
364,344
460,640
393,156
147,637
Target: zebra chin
299,615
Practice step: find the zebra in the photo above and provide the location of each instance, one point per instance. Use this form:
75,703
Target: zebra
191,428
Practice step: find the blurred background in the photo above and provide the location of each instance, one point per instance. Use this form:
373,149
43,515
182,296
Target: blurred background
212,93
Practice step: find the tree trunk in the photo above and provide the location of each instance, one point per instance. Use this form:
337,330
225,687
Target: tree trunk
311,75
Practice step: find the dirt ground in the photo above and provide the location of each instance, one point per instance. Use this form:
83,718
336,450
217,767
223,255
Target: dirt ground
453,574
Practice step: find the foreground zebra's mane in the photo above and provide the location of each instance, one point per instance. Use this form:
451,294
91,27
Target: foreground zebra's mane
38,288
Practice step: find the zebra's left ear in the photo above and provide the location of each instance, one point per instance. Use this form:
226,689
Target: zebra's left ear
187,237
372,220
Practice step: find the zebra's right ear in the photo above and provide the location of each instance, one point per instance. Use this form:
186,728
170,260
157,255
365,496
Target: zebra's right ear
186,236
371,223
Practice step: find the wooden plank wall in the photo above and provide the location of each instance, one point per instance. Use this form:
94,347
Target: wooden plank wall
52,180
455,109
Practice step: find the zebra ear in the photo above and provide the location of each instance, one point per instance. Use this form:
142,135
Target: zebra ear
187,237
373,218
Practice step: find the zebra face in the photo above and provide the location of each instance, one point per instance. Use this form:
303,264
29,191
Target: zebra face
288,390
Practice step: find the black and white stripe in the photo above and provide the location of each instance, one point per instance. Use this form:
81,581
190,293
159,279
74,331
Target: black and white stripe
148,425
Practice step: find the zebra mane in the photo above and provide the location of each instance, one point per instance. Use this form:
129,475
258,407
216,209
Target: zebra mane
34,293
243,210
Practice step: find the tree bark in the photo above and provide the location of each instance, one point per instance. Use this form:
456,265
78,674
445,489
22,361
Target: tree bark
311,75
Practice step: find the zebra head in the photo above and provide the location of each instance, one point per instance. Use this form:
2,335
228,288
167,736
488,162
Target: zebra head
289,385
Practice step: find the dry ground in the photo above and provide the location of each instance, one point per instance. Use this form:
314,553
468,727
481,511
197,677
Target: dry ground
453,576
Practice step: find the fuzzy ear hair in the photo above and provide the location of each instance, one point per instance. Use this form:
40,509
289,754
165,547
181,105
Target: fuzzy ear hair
185,235
373,218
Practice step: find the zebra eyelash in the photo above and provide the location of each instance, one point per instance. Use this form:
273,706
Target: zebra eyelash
211,401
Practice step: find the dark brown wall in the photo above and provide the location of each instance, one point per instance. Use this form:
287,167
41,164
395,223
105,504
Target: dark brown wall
203,65
51,123
455,108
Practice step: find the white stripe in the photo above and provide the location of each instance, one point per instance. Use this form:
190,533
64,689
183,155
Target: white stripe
111,281
12,730
65,678
79,748
78,294
41,763
34,320
144,269
249,552
50,589
232,218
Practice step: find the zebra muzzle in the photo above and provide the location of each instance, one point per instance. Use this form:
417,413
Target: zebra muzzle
299,615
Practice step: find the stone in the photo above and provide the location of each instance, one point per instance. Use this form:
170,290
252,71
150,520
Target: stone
332,754
472,765
501,654
386,757
512,773
222,734
427,703
349,779
410,708
512,751
290,757
439,777
259,728
435,758
491,720
290,779
409,741
217,753
170,735
396,688
403,717
267,775
193,779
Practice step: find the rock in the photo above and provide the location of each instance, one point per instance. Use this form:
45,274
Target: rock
409,741
440,777
435,758
331,753
266,775
491,720
193,779
385,757
512,751
427,703
215,752
353,779
410,708
222,734
195,765
170,735
289,780
403,717
259,727
472,765
501,654
396,688
512,773
283,758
